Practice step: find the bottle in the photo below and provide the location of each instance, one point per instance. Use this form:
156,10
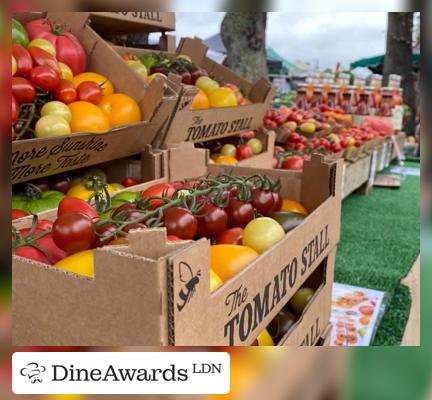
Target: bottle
386,108
332,96
363,104
301,99
346,104
316,100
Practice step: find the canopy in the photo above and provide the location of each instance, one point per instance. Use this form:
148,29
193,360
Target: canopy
378,60
272,55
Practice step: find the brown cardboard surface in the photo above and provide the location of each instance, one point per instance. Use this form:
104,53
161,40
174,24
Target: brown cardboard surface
36,158
153,292
355,175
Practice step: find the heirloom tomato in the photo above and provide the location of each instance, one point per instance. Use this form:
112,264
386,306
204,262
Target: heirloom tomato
37,201
81,263
120,109
52,125
19,34
102,81
86,117
45,78
212,221
57,108
44,45
159,190
231,236
41,57
65,72
262,233
180,222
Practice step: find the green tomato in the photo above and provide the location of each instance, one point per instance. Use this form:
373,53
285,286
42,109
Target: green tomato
52,125
256,145
38,202
57,108
19,202
300,299
228,150
124,197
19,34
148,60
288,220
262,233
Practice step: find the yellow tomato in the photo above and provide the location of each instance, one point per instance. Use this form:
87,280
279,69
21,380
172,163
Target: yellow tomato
228,260
105,84
120,109
293,206
215,281
81,263
262,233
79,191
66,72
228,160
206,84
222,97
264,339
52,125
14,66
138,67
57,108
86,117
184,57
44,45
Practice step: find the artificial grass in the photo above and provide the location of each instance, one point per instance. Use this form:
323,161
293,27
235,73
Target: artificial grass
380,240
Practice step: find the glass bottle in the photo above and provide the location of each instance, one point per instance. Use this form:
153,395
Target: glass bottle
363,104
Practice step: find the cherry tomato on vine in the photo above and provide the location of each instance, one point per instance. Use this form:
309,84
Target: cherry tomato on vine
73,232
159,190
15,110
131,227
72,204
263,201
23,90
231,236
104,235
45,78
126,212
180,222
243,152
89,91
19,214
66,92
129,181
212,221
278,201
240,213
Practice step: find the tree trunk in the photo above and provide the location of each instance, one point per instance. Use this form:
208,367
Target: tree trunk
398,58
244,37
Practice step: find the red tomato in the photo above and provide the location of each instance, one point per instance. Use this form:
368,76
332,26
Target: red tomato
72,204
19,214
174,238
247,134
15,110
278,201
44,224
293,163
68,48
129,181
127,212
89,91
180,222
275,163
212,221
23,90
32,253
263,201
23,60
299,147
159,190
45,78
336,148
278,149
60,183
104,234
66,92
231,236
240,213
244,151
73,232
42,57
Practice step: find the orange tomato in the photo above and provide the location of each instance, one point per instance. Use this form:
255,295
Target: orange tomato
86,117
105,84
222,97
228,260
200,101
293,206
120,109
229,160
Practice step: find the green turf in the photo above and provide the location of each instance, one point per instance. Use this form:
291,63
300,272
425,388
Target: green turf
380,240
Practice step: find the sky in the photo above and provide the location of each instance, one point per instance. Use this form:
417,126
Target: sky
326,38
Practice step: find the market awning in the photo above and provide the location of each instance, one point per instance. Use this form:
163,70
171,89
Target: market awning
374,62
272,55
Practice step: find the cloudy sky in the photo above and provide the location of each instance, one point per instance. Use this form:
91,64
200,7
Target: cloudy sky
326,38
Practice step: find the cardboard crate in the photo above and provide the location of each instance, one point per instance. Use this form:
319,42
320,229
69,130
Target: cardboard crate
37,158
200,125
355,175
137,295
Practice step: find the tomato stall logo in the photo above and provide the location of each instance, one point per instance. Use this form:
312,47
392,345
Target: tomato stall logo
190,281
33,371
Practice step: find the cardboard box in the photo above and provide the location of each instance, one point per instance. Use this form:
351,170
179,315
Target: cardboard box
157,293
200,125
37,158
355,175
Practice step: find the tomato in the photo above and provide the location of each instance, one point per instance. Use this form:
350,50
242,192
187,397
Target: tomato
159,190
120,241
173,238
73,232
32,253
127,212
72,204
263,201
120,109
15,110
23,60
300,299
206,84
19,34
243,152
57,108
81,263
215,281
256,145
22,90
104,235
247,134
83,191
89,91
66,92
102,81
228,260
262,233
68,48
45,78
228,160
19,214
180,222
86,117
41,57
129,181
65,72
293,163
240,213
212,221
288,220
222,97
136,226
277,198
124,197
138,67
14,66
264,339
44,224
228,150
293,206
44,45
281,324
231,236
52,125
200,101
36,202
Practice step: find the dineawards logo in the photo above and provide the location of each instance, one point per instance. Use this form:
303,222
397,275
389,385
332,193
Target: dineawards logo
121,373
